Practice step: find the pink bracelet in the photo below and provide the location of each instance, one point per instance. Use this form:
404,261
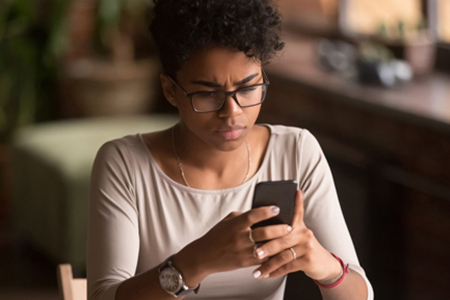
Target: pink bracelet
345,268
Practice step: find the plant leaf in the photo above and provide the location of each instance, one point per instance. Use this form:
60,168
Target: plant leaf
110,12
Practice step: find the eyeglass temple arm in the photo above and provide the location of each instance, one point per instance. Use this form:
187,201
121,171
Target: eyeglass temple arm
266,79
174,82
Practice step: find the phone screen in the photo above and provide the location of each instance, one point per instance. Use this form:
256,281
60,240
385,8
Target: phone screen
279,193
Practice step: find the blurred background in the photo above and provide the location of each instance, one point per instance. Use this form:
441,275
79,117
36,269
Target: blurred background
370,79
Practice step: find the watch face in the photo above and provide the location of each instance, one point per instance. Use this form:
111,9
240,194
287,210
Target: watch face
170,280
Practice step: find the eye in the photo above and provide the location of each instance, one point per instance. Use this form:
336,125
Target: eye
247,90
206,95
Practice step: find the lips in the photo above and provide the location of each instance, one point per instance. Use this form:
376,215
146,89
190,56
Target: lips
230,133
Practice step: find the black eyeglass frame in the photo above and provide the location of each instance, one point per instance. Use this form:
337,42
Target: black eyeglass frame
226,94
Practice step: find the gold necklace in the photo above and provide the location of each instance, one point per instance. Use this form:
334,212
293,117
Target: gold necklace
180,165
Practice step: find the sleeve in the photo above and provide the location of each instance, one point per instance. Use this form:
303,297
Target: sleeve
323,214
113,232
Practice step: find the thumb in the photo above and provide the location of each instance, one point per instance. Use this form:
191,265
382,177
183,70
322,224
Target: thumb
299,209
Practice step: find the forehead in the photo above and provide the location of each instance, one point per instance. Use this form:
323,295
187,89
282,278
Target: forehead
218,64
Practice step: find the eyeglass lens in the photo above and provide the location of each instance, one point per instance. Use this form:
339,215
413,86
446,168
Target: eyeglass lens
210,101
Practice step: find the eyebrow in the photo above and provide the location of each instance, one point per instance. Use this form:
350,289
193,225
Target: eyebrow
213,84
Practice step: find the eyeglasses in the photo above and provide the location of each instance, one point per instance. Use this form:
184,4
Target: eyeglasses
209,101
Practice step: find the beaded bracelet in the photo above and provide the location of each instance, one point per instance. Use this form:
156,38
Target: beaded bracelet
345,268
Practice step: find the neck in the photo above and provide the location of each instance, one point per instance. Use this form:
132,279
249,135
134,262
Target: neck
202,161
195,152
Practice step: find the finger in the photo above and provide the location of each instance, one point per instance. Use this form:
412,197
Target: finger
275,246
253,259
275,262
299,209
256,215
297,238
270,232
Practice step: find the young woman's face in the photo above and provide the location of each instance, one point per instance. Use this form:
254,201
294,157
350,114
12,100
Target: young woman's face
215,69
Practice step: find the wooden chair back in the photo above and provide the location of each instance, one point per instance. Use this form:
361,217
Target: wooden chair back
70,288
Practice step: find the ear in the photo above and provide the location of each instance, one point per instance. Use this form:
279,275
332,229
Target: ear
168,89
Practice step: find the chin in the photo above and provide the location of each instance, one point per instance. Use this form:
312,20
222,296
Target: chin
228,144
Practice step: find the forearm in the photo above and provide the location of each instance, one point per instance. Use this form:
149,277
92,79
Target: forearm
353,287
143,286
146,285
217,251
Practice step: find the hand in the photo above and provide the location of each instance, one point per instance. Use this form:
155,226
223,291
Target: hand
312,258
227,245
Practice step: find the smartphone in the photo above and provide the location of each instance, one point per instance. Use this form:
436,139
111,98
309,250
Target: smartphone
279,193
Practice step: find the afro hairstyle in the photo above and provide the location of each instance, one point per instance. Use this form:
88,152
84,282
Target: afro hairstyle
180,27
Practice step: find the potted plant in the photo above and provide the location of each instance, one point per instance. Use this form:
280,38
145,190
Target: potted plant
32,43
114,81
413,45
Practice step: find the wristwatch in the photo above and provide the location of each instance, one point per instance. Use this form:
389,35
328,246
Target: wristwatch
172,281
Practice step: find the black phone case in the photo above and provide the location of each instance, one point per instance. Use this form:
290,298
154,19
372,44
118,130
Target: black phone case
279,193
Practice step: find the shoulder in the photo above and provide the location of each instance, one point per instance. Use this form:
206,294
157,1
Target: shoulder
295,143
121,152
116,163
121,145
298,135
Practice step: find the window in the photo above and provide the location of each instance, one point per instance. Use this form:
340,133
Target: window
313,14
424,21
392,19
443,20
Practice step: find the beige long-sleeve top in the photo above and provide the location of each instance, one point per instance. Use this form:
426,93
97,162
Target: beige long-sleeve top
138,216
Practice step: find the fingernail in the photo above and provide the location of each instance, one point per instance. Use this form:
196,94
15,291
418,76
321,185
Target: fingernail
289,228
275,209
260,253
256,274
266,276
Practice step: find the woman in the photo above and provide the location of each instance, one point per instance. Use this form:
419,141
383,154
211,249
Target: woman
176,204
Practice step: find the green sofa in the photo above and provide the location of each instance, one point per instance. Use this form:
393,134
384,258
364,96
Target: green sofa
52,164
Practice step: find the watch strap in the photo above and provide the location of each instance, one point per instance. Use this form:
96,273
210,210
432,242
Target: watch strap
186,290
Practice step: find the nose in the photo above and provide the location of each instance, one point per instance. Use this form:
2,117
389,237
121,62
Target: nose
230,108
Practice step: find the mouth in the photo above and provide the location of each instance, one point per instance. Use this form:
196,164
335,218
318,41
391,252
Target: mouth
230,133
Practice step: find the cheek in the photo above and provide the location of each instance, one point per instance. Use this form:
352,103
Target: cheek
253,114
196,122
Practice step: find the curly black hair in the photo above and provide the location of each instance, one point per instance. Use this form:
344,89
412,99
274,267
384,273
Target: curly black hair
180,27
